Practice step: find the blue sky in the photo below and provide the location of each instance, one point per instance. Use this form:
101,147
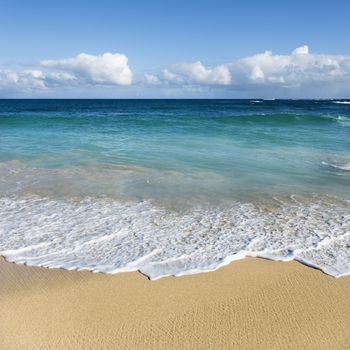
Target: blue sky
156,36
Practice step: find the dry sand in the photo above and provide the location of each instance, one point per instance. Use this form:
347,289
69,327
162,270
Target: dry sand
250,304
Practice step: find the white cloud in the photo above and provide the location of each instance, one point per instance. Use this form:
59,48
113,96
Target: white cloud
257,74
301,68
27,80
297,73
197,73
172,77
78,72
105,69
302,50
151,79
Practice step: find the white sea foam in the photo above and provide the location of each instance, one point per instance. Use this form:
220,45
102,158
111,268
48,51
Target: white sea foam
342,102
343,121
110,236
344,166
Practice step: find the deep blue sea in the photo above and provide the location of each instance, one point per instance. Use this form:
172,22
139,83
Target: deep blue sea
172,187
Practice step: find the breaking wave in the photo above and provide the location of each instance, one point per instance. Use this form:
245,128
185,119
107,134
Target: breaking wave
345,166
342,102
111,236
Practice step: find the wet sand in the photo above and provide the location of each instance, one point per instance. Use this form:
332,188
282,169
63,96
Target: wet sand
249,304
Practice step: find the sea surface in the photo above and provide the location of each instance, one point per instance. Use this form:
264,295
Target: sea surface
173,187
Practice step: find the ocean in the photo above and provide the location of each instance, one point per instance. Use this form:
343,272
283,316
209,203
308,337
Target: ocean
173,187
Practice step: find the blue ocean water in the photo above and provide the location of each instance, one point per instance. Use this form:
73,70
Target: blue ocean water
174,186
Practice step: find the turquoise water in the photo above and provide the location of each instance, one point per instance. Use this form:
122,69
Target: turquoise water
215,173
155,149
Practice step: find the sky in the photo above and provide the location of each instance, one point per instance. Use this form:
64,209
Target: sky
175,49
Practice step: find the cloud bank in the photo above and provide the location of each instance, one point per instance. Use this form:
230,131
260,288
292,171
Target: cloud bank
197,73
300,68
266,71
298,74
108,69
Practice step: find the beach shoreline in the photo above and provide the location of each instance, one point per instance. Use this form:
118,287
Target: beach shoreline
250,303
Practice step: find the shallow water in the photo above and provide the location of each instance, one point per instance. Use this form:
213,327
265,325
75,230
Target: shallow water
174,186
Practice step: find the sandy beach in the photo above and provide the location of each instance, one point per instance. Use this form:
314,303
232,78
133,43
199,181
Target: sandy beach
174,175
249,304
